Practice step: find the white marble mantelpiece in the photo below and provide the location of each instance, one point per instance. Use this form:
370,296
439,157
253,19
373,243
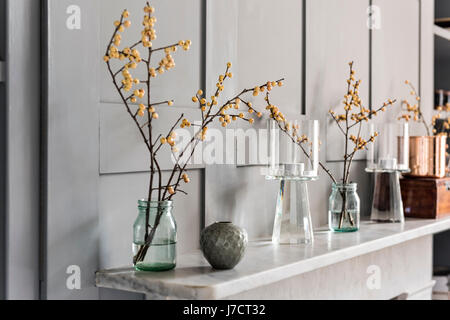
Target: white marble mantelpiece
266,264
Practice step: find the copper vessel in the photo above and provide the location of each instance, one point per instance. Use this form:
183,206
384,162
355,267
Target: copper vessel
427,156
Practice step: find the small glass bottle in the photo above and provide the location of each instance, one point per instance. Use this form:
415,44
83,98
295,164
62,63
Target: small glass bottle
161,254
344,208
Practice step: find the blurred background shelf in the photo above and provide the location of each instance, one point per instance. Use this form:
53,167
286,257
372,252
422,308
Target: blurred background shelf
441,32
2,71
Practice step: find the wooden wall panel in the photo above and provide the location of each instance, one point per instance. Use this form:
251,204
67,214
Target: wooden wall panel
19,162
395,54
123,157
263,41
71,143
270,48
336,33
427,64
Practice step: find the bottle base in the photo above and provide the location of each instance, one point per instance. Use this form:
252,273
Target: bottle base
345,230
154,267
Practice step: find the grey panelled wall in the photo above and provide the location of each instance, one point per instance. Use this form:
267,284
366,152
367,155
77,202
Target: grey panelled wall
96,168
22,81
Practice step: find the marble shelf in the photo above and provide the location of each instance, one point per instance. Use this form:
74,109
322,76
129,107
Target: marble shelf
265,263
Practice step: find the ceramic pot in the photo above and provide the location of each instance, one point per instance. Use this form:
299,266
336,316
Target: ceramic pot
223,244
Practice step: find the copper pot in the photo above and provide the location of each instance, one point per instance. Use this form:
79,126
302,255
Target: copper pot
427,156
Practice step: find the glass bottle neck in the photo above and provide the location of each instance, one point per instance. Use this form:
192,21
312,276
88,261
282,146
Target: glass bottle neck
341,187
154,206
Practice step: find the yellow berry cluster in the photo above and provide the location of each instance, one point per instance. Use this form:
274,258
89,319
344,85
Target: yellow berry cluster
269,85
128,80
291,130
113,52
134,57
223,113
185,44
124,81
414,112
361,143
354,115
149,32
202,134
170,139
352,102
185,177
185,123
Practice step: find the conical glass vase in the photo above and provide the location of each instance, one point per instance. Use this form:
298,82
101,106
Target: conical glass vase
292,217
387,198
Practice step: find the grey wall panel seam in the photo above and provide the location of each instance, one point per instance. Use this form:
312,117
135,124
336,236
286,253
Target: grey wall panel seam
420,47
3,168
7,174
43,150
2,71
303,64
203,45
370,63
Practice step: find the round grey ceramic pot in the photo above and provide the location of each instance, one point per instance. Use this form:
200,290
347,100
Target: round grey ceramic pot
223,244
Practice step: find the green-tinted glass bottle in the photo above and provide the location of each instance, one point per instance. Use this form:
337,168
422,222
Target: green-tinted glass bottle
344,206
162,253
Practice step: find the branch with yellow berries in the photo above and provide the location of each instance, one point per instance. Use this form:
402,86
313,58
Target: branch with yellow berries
345,122
354,115
211,111
413,111
209,115
136,96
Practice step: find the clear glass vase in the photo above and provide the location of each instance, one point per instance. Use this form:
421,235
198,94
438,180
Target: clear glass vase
161,254
344,208
387,205
292,223
293,161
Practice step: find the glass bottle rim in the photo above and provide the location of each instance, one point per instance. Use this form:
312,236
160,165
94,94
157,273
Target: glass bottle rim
345,186
143,204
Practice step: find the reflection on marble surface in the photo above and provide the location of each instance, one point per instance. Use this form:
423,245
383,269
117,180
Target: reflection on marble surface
265,263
